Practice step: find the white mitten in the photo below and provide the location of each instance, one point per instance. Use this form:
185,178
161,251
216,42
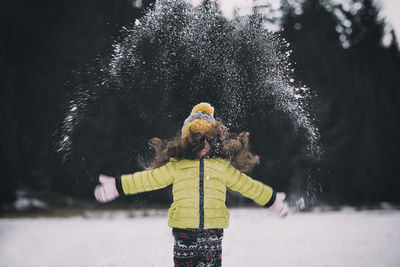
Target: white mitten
280,207
107,191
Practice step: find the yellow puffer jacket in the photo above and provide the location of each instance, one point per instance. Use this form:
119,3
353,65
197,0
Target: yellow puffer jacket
199,190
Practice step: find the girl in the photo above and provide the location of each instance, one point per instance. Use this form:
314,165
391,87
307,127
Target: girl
200,163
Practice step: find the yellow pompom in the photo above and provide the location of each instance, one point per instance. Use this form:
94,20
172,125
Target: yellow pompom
203,107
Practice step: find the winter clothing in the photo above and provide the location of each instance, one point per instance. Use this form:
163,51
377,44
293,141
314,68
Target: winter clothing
197,247
201,119
107,191
199,190
280,206
198,213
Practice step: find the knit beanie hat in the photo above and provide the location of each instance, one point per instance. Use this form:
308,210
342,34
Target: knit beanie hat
201,119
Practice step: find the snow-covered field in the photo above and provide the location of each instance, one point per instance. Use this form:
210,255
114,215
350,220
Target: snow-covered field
254,238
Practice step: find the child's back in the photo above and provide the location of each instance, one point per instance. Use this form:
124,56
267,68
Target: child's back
199,190
200,164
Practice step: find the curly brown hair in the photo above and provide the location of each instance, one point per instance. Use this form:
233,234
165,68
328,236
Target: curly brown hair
222,144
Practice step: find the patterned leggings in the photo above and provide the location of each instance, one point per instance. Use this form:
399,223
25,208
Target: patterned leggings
197,247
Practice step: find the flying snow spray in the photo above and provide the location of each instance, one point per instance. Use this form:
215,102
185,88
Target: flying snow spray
176,56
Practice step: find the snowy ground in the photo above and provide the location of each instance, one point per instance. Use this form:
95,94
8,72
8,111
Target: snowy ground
255,238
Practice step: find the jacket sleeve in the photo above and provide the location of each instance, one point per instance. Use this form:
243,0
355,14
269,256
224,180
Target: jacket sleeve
147,180
260,193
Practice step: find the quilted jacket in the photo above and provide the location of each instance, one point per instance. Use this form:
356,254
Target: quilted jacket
199,190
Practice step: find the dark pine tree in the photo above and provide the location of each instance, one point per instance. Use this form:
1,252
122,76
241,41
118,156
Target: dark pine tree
357,88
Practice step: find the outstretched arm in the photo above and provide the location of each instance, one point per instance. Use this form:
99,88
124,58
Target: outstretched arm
137,182
147,180
260,193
